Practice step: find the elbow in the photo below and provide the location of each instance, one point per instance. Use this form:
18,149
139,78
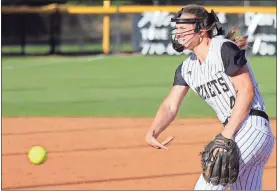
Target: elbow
173,110
171,107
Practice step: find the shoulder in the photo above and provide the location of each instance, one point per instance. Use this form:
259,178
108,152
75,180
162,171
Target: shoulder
229,50
226,44
220,41
179,68
190,59
179,77
187,61
233,57
217,45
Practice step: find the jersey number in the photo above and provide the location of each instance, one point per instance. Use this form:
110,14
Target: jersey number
232,101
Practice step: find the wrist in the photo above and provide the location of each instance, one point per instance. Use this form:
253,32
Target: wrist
152,133
228,133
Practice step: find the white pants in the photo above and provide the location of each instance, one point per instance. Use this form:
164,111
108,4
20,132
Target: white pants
256,142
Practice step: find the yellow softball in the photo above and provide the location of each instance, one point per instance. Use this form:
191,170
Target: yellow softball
37,155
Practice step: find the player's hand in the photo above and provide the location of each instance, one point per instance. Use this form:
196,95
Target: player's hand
216,151
226,135
152,141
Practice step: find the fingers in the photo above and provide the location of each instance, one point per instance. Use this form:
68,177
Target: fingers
156,144
218,150
168,140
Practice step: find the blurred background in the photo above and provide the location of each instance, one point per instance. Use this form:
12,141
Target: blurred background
109,44
76,26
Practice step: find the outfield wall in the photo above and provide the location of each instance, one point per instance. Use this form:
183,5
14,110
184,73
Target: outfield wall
115,29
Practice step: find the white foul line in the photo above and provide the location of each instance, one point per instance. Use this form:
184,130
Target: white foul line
55,62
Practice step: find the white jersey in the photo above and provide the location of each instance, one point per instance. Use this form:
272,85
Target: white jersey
211,80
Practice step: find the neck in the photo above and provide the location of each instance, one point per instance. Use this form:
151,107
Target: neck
202,49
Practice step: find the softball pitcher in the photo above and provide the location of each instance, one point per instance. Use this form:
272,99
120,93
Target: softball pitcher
219,72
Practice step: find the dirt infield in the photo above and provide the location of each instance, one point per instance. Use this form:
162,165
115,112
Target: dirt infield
107,153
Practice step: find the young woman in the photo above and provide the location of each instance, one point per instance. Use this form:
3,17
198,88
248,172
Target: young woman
219,72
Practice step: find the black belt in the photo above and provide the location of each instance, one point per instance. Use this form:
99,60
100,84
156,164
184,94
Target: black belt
253,112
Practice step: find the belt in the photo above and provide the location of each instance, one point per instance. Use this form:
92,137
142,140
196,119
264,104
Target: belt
253,112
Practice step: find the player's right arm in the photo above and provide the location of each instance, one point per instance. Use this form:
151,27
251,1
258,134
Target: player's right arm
167,111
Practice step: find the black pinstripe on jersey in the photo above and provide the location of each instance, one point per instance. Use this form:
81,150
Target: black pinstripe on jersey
255,141
211,80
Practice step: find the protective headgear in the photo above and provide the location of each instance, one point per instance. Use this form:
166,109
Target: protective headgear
212,20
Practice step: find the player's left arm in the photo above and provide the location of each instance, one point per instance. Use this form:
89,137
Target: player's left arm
236,67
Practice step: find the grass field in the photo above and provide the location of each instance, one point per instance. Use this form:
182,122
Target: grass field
107,86
107,151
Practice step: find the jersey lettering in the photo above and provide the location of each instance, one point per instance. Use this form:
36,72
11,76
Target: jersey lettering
214,83
211,80
207,94
202,89
199,90
223,84
211,91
